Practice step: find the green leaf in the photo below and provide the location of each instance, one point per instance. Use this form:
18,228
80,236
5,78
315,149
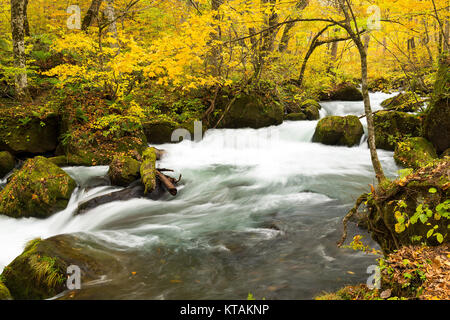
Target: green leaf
439,237
432,190
430,233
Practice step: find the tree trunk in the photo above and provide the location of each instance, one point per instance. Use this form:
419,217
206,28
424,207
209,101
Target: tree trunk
18,38
111,20
91,15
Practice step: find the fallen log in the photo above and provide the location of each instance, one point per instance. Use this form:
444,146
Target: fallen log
167,182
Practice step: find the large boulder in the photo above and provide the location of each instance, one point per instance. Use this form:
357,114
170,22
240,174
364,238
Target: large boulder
89,146
4,292
28,135
7,163
394,126
40,272
405,102
343,92
123,170
159,131
437,120
300,116
335,130
38,189
250,111
414,153
307,110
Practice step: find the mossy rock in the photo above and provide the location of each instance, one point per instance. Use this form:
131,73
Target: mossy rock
311,109
38,189
160,131
251,111
295,116
31,135
414,153
343,92
4,292
307,110
40,272
148,170
426,187
335,130
92,148
437,120
394,126
405,102
123,170
7,163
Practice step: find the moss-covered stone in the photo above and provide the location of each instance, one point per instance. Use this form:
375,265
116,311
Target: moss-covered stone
38,189
418,195
29,135
311,109
40,272
148,170
295,116
123,170
405,102
394,126
160,131
250,111
4,292
6,163
334,130
343,92
92,148
437,120
414,153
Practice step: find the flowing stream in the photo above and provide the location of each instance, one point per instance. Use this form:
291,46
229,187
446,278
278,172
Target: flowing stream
258,211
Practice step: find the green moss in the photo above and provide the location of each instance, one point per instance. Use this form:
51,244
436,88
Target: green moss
336,130
343,92
123,170
406,102
160,131
148,169
6,163
295,117
4,292
414,153
39,189
394,126
28,134
40,272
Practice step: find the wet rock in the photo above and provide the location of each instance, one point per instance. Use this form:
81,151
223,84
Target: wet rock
295,116
252,111
334,130
405,102
38,189
7,163
311,109
30,135
414,153
394,126
343,92
160,131
123,170
40,272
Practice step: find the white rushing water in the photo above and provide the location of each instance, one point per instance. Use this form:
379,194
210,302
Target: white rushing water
237,185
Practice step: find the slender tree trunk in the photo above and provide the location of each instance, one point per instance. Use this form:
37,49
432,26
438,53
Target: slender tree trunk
111,20
26,25
91,14
18,37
